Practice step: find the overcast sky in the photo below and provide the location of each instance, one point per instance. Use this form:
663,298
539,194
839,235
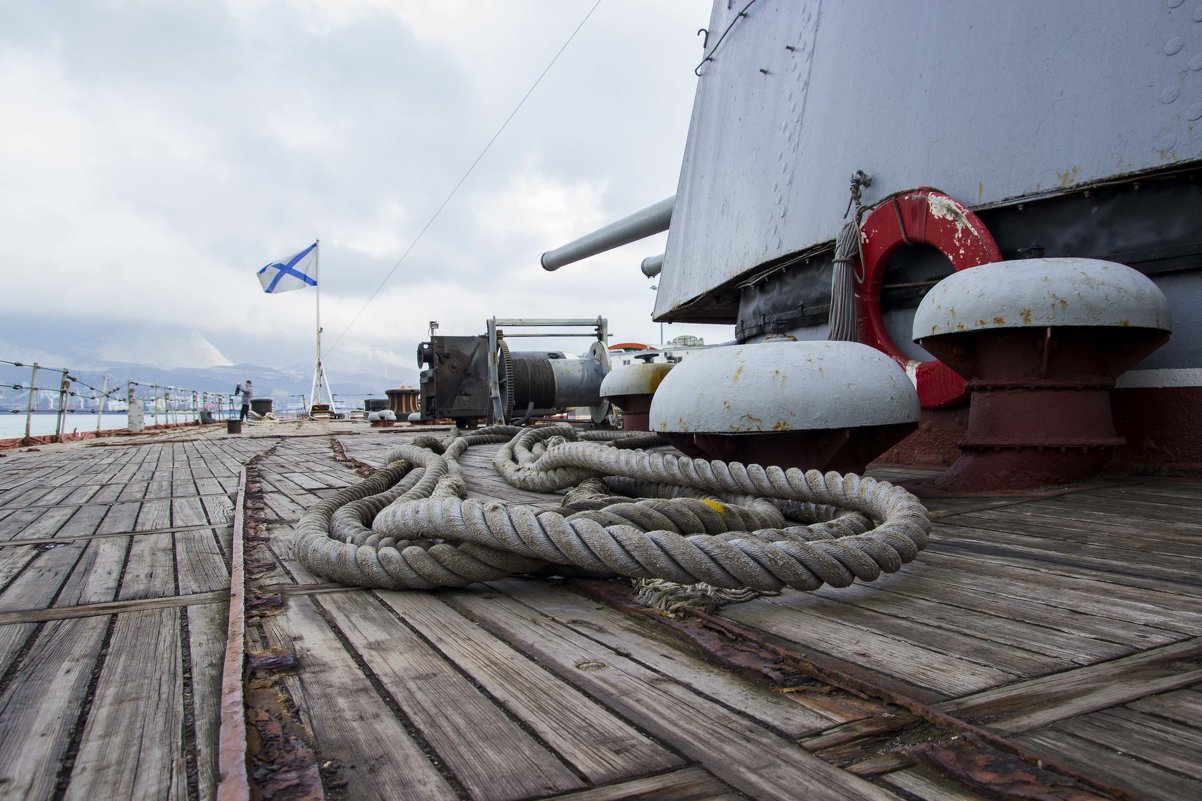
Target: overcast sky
154,155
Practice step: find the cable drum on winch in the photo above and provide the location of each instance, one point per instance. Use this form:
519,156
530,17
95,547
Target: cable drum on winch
547,382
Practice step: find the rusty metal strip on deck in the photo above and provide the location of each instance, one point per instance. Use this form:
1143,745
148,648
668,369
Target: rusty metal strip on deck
233,784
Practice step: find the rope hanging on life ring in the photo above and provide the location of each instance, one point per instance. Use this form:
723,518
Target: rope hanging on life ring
922,216
409,526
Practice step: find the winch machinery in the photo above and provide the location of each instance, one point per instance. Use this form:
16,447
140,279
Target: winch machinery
472,378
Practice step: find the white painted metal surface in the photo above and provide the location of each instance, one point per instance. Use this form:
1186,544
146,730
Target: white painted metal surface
989,102
1036,293
783,386
634,379
651,220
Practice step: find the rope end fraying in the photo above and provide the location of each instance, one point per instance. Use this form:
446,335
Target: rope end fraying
672,599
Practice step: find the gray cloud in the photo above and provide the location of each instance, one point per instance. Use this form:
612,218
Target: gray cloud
159,153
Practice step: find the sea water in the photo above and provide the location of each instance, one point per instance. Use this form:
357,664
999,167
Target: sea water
13,425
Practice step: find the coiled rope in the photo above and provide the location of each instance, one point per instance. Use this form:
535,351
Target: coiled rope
409,525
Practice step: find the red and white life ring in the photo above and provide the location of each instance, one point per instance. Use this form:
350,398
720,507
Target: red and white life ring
923,216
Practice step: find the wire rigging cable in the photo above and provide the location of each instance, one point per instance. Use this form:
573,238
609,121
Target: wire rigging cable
471,168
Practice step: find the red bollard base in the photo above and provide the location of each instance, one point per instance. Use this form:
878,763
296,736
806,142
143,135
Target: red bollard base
1040,410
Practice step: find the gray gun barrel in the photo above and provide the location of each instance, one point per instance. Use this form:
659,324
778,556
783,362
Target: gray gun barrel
652,265
651,220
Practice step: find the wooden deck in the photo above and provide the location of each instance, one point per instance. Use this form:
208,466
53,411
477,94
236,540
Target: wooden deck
1067,629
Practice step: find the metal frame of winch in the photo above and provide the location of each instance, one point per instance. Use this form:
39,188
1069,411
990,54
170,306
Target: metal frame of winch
497,336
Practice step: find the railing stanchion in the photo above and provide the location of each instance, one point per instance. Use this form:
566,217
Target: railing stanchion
64,385
100,401
33,389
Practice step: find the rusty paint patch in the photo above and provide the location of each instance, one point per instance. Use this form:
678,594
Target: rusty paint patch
981,766
999,320
1026,315
232,735
1069,176
281,762
260,603
278,750
276,660
738,373
342,457
752,424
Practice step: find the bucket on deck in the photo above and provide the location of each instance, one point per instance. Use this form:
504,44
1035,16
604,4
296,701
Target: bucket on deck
233,426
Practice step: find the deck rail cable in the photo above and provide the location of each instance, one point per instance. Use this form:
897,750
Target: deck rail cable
638,513
463,178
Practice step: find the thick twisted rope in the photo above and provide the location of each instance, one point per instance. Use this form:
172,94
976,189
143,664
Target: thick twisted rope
730,525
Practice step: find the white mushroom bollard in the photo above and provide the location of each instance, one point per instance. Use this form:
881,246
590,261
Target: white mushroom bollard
822,405
631,388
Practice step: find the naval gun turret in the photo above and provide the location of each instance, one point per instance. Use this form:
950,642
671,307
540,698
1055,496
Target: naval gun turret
973,133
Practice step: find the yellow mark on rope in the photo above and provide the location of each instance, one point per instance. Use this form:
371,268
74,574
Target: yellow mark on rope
716,506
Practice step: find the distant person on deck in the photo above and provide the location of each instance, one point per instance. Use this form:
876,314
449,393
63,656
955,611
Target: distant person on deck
244,389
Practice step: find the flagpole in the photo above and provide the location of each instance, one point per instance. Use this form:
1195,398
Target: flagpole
317,368
317,277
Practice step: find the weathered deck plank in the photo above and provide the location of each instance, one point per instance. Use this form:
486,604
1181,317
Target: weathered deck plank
12,639
1183,706
206,648
926,666
926,785
138,711
1065,647
790,713
584,733
150,568
1137,777
500,760
200,563
97,574
353,725
42,578
734,748
39,709
13,561
688,784
1041,702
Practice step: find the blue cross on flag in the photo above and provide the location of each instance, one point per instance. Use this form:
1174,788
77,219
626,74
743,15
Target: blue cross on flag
290,273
